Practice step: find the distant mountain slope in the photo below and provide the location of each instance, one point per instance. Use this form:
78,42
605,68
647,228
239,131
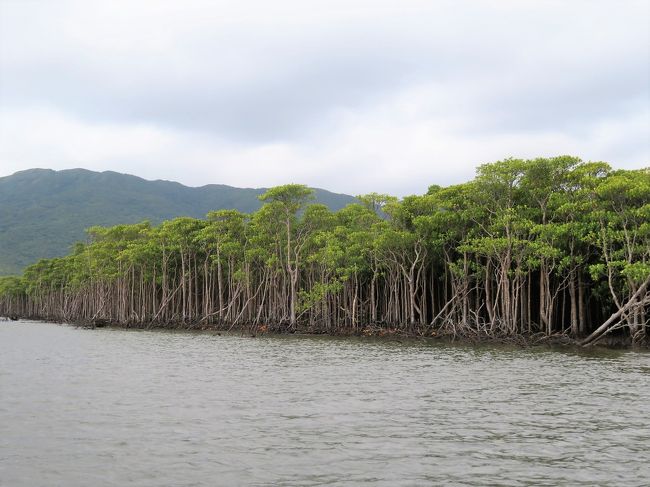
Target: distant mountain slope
43,212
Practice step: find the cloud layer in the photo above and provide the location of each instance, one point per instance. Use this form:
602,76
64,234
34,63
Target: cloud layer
353,96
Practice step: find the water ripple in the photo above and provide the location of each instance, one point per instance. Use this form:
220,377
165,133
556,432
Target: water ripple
115,408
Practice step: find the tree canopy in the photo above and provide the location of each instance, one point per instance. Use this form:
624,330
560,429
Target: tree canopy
548,245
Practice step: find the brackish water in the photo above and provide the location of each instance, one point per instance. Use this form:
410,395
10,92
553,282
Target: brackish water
132,408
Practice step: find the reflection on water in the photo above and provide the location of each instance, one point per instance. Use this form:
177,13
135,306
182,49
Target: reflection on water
116,408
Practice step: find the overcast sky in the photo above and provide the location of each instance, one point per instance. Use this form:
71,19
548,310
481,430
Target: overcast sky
352,96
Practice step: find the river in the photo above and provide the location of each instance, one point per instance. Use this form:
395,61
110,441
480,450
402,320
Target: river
112,407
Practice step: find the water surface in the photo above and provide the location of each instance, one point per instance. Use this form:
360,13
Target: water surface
132,408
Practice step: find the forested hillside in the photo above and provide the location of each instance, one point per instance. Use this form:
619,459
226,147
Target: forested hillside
44,212
543,246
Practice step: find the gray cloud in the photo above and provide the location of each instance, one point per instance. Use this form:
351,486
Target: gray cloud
292,81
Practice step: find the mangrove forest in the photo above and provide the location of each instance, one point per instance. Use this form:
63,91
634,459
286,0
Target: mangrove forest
543,247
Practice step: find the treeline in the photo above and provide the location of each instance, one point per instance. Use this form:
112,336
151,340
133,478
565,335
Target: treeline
529,246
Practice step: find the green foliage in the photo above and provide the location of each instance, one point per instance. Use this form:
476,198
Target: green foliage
541,226
290,197
12,286
308,299
44,212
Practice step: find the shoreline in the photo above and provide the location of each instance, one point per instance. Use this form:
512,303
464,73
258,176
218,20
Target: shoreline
388,334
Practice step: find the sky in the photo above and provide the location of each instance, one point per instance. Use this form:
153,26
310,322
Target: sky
353,96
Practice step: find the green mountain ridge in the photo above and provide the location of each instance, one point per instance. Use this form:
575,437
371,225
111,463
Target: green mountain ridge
44,212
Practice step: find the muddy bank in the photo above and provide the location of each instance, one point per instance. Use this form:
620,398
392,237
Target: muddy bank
390,333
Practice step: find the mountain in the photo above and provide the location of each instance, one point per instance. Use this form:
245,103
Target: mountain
43,212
